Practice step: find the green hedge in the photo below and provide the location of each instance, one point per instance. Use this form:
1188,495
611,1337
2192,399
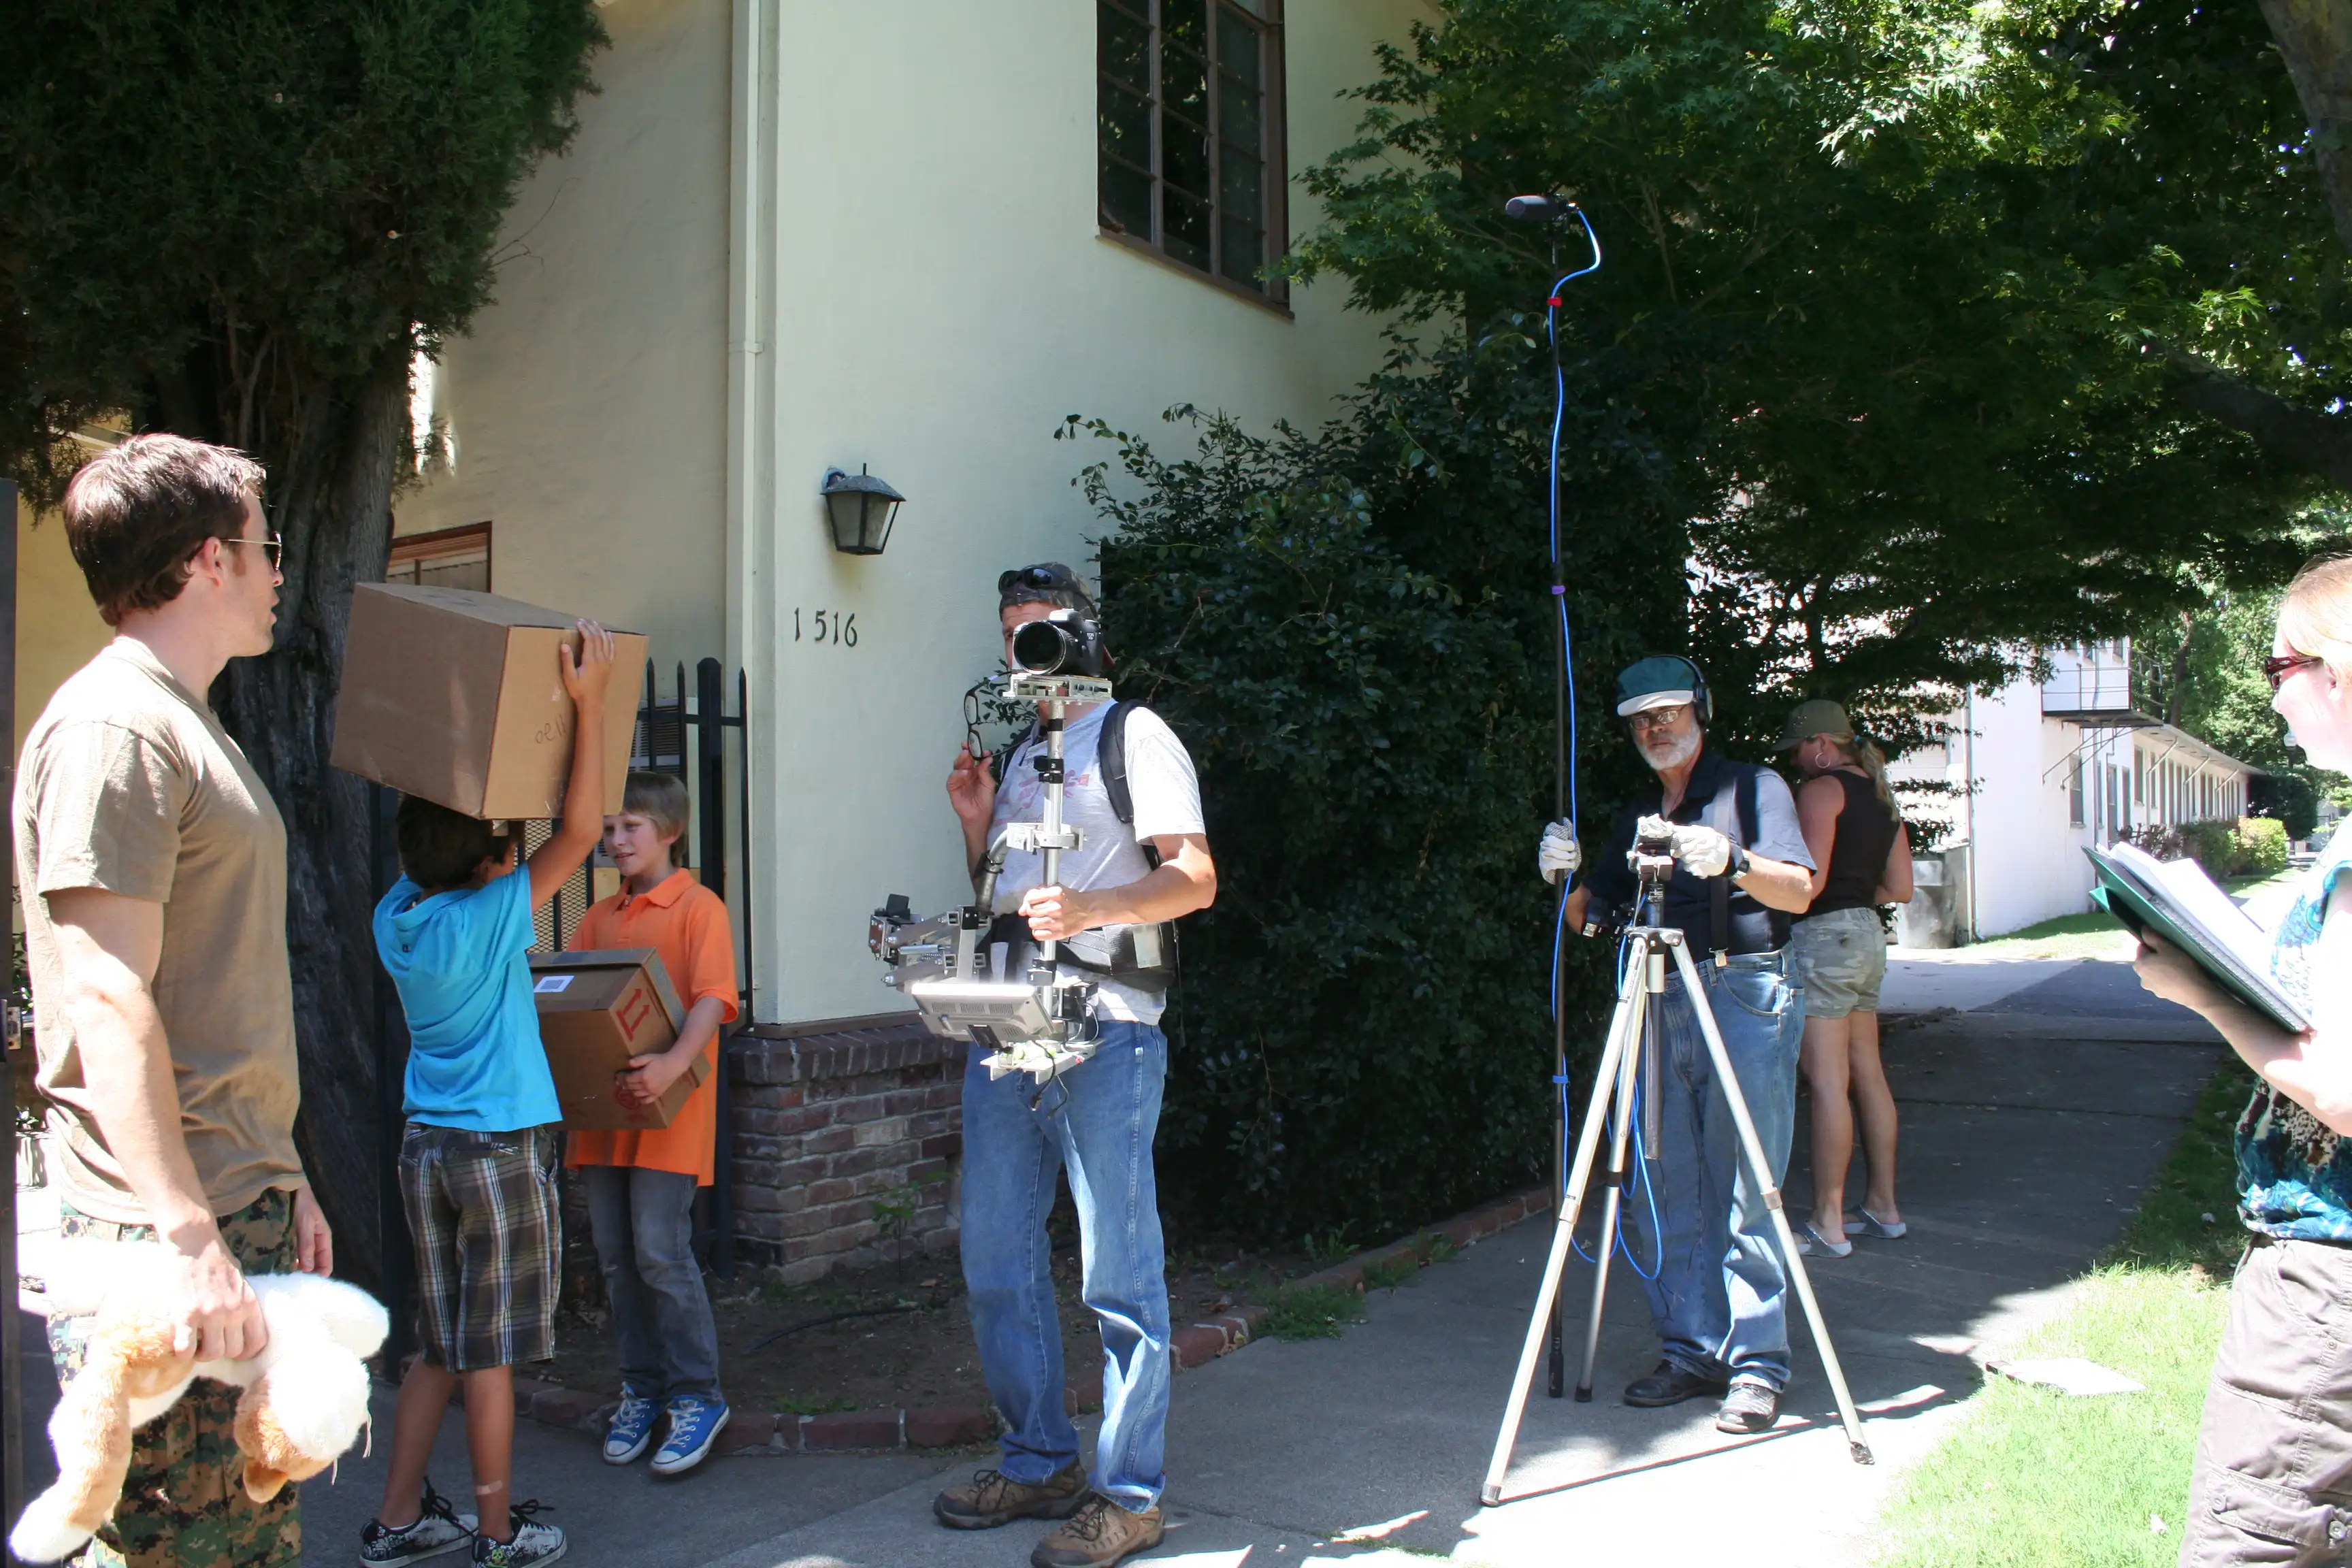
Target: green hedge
2262,846
1351,632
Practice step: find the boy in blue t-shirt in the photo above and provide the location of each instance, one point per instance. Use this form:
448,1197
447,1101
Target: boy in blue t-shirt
477,1159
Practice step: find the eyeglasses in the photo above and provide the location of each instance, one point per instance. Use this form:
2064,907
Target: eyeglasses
1657,717
1048,577
2279,666
273,547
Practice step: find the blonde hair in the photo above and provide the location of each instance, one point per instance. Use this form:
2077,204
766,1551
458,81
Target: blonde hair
661,799
2315,617
1864,753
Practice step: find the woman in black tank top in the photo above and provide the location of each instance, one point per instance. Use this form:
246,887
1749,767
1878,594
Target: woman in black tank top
1863,854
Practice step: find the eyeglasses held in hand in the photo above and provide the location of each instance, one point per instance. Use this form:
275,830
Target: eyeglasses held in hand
2279,666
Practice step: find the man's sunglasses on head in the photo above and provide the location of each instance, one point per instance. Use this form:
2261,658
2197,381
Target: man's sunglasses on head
1038,577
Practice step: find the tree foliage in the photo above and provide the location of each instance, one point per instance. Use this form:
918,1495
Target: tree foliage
1846,289
1351,629
239,223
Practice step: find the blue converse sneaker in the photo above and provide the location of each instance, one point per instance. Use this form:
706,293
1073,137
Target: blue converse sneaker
632,1431
436,1531
694,1426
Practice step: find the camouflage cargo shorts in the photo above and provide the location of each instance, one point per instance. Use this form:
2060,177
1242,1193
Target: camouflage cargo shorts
183,1502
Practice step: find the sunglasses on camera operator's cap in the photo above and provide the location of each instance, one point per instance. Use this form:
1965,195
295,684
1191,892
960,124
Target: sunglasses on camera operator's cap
1046,582
1817,717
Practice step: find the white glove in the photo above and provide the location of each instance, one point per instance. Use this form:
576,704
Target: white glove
1557,854
1703,851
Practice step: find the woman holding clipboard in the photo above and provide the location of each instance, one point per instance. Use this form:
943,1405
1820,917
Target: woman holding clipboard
2273,1477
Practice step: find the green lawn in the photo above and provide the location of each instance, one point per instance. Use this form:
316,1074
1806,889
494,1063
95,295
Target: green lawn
2087,935
2034,1477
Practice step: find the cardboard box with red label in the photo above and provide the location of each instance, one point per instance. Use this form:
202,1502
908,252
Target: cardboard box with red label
598,1009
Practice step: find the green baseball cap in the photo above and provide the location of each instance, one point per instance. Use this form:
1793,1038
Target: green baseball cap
1658,681
1819,716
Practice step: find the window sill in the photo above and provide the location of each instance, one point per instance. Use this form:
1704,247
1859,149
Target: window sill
1149,252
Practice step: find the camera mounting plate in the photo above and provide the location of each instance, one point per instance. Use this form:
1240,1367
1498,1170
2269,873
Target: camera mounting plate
1027,686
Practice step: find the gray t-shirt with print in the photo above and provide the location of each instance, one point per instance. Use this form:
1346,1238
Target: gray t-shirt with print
1166,794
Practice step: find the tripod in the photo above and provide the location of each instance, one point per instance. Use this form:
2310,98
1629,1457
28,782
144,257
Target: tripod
1622,1060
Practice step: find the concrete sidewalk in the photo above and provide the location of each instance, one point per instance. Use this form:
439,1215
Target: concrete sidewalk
2033,1119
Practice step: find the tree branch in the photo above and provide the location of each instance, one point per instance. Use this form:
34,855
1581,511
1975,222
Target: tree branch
2287,432
2315,38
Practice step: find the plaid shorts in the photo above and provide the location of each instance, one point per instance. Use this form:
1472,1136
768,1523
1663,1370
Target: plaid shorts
482,1209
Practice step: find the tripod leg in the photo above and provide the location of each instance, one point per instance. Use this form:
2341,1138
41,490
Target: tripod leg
1769,1189
1629,1067
1564,1228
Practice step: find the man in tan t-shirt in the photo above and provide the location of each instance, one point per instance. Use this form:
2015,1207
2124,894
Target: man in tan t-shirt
151,864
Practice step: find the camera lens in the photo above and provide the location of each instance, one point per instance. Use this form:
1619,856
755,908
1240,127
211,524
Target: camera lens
1042,647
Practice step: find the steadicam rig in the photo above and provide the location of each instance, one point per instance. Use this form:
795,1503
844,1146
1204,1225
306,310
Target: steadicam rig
1041,1023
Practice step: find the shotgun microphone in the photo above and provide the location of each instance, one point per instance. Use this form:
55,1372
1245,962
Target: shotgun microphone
1538,209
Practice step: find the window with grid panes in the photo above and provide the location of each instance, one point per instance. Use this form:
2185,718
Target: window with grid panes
1189,132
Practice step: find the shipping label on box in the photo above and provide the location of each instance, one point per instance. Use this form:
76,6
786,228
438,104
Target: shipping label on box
596,1011
458,697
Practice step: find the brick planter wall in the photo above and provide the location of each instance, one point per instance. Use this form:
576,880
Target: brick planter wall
827,1126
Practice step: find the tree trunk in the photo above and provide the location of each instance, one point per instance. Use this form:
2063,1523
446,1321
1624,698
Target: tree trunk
333,453
2174,698
2315,38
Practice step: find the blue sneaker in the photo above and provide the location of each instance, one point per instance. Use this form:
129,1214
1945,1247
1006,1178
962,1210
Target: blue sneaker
632,1431
694,1426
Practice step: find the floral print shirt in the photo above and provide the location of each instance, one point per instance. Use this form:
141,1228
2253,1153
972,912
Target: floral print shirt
2294,1176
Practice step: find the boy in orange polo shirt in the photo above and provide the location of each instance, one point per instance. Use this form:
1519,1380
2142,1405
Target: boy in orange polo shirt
641,1186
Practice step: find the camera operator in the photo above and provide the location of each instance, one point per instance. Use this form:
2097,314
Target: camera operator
1719,1295
1096,1118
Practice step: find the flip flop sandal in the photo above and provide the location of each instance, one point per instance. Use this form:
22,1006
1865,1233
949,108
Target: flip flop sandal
1877,1229
1810,1241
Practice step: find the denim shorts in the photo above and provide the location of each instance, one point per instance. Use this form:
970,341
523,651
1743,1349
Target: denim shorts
1841,961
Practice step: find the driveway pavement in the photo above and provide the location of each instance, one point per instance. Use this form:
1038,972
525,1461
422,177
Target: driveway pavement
2035,1112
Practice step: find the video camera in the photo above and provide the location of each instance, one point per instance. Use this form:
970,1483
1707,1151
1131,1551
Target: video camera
1041,1023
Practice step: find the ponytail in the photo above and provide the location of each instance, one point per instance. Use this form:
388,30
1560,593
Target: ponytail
1872,761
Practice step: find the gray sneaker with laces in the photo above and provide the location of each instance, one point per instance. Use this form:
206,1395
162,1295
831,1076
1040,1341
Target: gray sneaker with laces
533,1542
437,1530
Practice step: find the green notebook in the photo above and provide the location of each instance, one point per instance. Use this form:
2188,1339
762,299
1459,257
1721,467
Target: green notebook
2179,902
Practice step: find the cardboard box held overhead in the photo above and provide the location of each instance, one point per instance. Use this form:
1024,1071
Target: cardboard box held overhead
598,1009
458,697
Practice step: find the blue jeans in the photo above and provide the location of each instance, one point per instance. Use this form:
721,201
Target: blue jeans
1720,1298
1096,1122
644,1221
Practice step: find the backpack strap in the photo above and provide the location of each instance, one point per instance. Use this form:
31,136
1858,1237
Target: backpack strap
1110,756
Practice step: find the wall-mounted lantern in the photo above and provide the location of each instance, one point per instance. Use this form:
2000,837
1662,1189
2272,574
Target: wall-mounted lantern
861,508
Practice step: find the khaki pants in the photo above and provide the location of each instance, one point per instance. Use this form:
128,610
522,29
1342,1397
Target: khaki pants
2274,1478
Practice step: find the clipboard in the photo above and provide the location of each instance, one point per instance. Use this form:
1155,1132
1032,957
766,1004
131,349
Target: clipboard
2144,894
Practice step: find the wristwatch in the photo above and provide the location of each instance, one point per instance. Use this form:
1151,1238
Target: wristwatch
1738,865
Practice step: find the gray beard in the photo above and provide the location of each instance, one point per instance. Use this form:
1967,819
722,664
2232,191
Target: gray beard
1671,755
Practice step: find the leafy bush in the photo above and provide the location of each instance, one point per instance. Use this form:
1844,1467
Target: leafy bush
2262,847
2213,844
1350,631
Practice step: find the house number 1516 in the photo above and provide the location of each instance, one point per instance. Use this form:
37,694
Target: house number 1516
835,626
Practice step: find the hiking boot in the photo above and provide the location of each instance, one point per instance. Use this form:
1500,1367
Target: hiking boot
1100,1534
1749,1407
694,1426
437,1530
992,1498
1670,1385
533,1542
632,1429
